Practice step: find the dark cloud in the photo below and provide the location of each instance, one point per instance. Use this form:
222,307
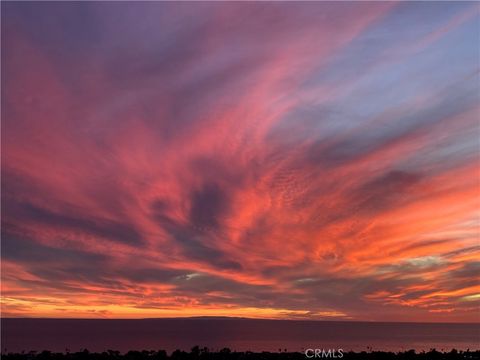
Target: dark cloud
197,238
108,229
464,276
24,250
195,247
387,191
208,205
148,275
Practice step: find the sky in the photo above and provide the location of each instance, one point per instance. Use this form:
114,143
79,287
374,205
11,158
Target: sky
280,160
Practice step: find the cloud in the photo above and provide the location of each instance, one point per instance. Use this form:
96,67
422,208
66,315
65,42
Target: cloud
267,160
100,228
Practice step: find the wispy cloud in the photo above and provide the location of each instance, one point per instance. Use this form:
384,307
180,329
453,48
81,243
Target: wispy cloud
255,159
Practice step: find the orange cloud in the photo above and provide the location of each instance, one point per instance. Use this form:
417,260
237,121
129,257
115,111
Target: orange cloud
228,160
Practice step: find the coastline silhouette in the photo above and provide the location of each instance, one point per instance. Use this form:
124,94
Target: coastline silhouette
203,353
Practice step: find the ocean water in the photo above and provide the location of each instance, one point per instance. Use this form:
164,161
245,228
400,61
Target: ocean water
237,334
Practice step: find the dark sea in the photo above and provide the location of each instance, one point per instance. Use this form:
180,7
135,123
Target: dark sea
237,334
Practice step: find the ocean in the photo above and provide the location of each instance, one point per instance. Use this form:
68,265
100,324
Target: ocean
97,335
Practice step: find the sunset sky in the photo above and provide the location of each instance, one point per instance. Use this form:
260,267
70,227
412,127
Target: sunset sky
276,160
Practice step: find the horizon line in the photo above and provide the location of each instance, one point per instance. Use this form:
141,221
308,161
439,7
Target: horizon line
240,318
